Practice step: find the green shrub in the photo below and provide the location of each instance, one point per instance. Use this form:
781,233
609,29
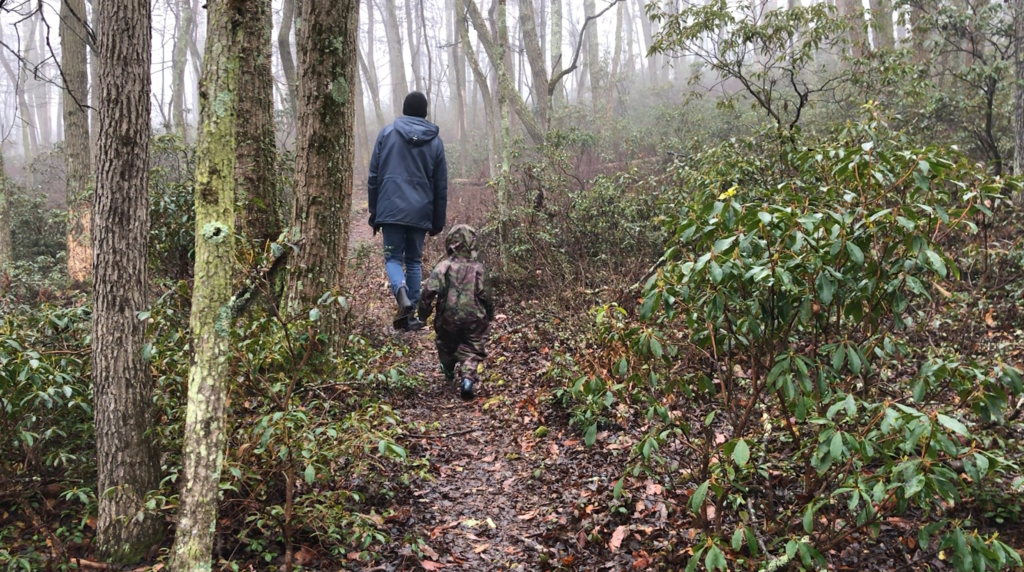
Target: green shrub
789,310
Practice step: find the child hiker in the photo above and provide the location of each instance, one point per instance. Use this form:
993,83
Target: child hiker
464,308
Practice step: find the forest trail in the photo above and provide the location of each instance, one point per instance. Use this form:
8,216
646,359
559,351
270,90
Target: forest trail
501,496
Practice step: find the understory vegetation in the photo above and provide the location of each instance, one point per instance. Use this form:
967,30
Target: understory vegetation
791,312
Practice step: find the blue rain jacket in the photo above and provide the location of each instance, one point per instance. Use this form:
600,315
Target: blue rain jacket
408,182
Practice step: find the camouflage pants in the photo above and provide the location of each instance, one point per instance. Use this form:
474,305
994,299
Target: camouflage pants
465,348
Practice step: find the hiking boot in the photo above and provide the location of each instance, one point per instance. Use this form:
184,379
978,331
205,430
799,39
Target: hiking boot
405,309
413,324
466,389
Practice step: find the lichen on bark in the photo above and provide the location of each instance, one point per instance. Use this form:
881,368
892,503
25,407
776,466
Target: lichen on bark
205,423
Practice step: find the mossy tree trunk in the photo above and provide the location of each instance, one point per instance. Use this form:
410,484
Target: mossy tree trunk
260,216
78,154
127,463
323,164
212,307
5,217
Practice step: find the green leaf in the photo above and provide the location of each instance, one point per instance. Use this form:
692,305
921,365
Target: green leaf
856,254
617,491
836,446
838,357
691,566
314,315
825,288
656,348
854,357
716,272
936,262
741,454
590,435
809,518
697,500
715,560
953,425
737,539
310,474
723,244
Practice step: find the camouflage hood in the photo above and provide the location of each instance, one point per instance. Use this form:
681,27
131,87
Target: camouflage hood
461,242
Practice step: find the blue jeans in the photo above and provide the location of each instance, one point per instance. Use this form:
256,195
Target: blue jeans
403,246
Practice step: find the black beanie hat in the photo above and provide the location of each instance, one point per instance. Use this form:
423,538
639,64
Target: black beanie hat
415,105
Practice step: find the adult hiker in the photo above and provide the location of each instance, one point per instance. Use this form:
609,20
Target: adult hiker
408,199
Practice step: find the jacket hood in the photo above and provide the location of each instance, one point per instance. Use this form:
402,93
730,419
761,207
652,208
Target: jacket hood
414,130
461,242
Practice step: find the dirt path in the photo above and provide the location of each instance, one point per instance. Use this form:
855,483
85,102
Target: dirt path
501,496
480,511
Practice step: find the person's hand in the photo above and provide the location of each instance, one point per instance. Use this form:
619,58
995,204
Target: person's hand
435,231
373,224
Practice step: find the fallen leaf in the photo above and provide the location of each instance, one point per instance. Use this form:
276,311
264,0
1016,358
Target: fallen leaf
989,320
617,537
481,548
528,515
304,556
431,565
490,523
654,489
430,552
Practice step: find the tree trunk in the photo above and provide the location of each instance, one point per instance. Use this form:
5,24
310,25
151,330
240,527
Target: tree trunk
371,82
42,90
255,171
881,25
414,46
616,56
328,42
370,65
94,83
506,87
458,85
538,73
593,55
127,462
481,82
16,80
647,27
399,85
78,154
6,252
852,11
360,169
179,63
1017,10
284,48
212,305
556,51
29,133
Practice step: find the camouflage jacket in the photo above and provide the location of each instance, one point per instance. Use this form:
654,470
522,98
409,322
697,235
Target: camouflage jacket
459,286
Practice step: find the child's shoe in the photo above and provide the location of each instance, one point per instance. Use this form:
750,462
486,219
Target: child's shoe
466,389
